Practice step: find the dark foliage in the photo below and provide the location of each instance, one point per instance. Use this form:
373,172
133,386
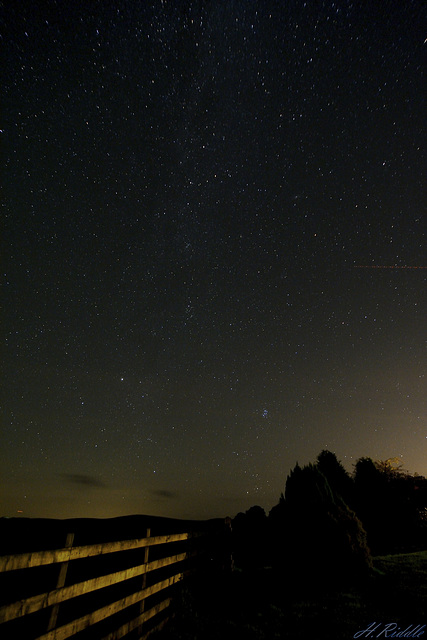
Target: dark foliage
321,538
249,535
339,480
392,505
326,522
310,546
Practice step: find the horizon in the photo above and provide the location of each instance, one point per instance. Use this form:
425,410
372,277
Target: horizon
84,511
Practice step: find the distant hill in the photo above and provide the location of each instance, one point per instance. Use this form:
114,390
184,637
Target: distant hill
20,535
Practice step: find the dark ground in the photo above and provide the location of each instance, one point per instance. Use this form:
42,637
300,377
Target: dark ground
263,605
255,604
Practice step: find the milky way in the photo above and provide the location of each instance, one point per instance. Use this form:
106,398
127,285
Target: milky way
187,190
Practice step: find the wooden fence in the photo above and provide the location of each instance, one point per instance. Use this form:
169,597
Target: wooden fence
106,591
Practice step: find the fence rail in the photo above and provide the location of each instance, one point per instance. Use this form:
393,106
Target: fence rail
115,589
40,558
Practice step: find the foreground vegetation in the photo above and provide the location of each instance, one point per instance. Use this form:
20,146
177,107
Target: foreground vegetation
262,605
335,555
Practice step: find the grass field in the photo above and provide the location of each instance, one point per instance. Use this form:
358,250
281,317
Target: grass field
259,606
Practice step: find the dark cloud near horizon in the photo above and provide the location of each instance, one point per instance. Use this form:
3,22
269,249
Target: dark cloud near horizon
83,480
164,493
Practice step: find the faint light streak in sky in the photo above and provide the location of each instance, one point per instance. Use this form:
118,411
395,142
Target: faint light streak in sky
386,266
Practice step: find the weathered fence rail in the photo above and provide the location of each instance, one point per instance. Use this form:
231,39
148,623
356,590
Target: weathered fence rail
106,591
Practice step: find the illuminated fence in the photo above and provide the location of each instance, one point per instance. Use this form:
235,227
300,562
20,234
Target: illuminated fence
105,591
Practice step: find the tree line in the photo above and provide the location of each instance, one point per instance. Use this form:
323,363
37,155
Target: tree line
329,523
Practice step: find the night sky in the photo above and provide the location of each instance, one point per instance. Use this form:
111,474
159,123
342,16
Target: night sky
206,212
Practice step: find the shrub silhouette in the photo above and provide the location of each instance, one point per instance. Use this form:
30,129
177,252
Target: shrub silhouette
249,535
322,539
339,480
390,505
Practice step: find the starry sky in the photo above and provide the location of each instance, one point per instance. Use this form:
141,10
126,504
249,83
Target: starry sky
206,211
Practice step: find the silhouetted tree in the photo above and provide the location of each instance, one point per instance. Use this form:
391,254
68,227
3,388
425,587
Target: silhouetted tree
322,538
249,536
388,503
277,515
256,516
339,480
307,489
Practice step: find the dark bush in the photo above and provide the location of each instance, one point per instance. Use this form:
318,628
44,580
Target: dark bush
249,536
321,537
339,480
390,503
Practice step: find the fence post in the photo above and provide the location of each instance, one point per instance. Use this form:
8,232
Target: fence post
144,579
60,583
